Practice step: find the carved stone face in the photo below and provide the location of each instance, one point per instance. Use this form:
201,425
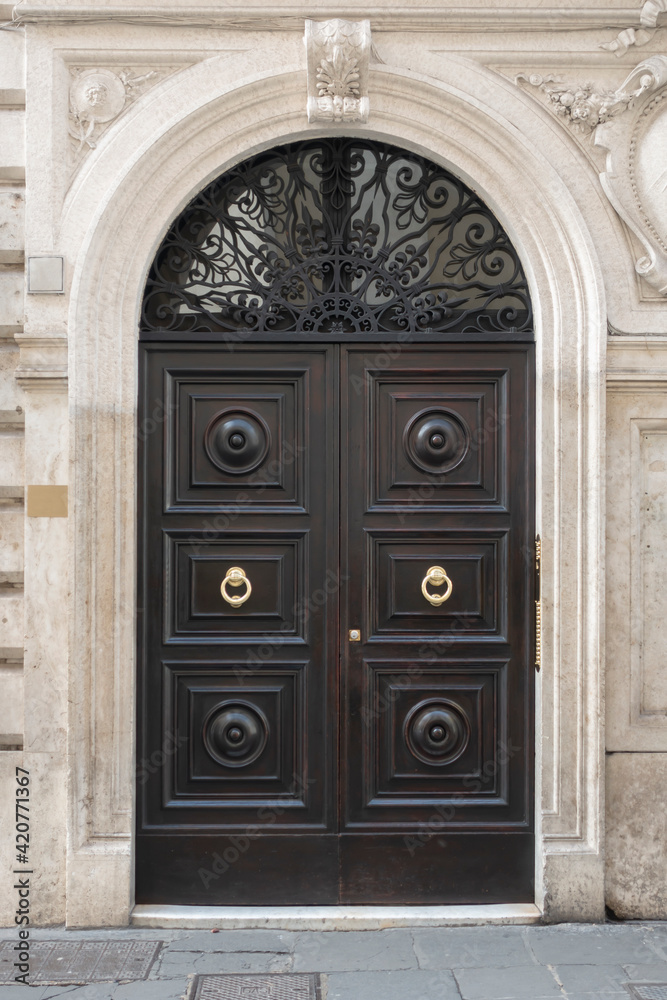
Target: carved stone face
96,94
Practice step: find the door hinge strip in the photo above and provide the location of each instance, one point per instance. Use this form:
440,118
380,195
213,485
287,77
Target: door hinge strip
538,602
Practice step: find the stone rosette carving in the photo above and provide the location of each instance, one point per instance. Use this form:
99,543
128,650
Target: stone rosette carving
338,56
97,96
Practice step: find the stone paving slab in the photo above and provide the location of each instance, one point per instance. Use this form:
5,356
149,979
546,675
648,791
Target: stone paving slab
591,978
182,963
349,951
655,973
656,936
518,983
590,944
260,940
469,948
143,990
599,996
391,986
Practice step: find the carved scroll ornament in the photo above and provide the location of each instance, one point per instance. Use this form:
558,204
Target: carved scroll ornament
631,123
635,179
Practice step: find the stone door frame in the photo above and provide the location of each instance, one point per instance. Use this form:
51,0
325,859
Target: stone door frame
182,133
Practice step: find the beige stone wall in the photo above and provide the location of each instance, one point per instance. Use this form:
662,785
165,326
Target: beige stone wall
636,737
12,417
637,835
12,434
33,549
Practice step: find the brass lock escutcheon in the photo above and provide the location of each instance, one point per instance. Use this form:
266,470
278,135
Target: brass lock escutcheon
235,578
437,577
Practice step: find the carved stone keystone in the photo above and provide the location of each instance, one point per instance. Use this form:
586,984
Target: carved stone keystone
338,57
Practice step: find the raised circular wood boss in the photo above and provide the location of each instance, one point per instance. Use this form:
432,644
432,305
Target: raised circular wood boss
436,440
437,732
235,733
237,441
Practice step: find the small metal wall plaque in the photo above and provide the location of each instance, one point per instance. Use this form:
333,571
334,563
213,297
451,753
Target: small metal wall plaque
46,275
47,501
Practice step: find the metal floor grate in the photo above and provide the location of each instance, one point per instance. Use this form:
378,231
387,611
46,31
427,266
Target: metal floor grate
65,963
240,986
647,991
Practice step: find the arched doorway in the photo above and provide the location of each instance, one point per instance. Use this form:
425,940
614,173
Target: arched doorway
336,537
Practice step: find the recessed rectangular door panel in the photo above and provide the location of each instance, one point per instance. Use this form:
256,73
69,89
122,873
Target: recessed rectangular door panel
401,762
434,442
409,598
209,775
239,439
214,600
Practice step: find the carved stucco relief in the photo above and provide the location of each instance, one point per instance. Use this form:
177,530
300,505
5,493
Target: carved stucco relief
585,106
635,179
631,124
648,20
338,56
98,96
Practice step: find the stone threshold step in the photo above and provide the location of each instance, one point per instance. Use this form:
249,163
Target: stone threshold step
331,918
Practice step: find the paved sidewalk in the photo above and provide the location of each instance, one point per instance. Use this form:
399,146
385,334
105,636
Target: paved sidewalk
567,961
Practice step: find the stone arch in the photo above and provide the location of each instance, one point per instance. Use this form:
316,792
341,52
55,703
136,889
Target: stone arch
178,137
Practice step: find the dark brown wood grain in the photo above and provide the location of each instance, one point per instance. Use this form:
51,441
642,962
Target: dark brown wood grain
398,768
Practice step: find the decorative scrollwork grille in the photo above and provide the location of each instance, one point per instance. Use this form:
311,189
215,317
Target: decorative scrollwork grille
334,238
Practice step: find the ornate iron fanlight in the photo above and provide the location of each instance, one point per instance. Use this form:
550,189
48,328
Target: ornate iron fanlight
336,237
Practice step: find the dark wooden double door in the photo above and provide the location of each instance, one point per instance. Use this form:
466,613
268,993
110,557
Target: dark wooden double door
316,724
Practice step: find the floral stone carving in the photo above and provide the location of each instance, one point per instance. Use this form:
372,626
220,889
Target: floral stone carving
585,106
338,57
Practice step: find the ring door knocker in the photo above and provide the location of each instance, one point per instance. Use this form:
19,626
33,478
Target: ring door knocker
235,578
437,577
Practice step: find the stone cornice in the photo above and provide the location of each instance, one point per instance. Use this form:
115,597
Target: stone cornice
418,18
637,363
42,363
